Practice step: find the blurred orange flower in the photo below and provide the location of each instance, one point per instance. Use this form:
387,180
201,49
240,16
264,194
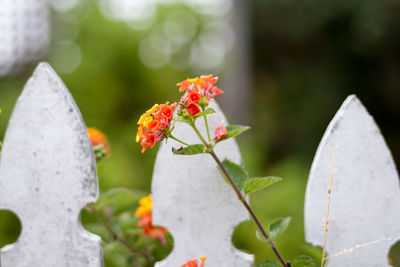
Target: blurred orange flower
145,207
148,229
97,138
194,263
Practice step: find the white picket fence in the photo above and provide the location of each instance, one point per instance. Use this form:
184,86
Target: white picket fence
48,174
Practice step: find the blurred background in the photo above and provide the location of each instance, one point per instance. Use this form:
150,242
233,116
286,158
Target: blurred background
286,66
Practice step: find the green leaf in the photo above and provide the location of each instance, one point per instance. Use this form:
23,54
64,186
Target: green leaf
189,150
205,112
258,183
120,199
236,172
277,226
268,263
304,261
234,130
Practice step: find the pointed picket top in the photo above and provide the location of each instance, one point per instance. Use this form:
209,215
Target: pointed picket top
47,175
191,199
365,195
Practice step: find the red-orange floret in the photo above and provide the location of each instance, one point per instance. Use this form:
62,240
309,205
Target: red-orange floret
153,125
194,96
166,110
193,109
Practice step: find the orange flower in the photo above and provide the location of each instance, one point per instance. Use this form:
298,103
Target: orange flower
204,85
193,109
199,92
96,138
99,143
220,132
194,96
148,229
154,124
194,263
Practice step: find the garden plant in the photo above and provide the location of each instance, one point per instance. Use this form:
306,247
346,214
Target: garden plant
158,123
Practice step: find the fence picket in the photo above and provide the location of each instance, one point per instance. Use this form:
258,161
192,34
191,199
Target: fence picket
365,195
192,200
47,175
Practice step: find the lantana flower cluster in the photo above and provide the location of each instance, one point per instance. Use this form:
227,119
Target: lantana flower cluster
199,92
154,125
148,229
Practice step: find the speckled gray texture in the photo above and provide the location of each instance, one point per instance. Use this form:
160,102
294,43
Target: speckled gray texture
366,193
24,33
192,200
47,175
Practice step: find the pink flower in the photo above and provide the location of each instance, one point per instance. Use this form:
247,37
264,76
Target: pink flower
220,132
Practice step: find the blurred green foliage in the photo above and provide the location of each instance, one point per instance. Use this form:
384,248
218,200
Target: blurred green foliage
307,57
114,208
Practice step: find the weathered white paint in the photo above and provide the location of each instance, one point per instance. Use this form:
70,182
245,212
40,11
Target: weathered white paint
366,193
192,200
47,175
24,33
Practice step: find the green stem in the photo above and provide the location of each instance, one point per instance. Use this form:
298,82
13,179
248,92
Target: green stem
208,131
200,136
241,198
176,139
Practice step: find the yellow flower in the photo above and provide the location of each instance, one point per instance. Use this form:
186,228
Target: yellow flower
145,119
139,134
145,206
152,110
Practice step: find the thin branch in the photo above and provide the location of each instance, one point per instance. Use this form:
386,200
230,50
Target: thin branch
250,210
178,140
114,234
